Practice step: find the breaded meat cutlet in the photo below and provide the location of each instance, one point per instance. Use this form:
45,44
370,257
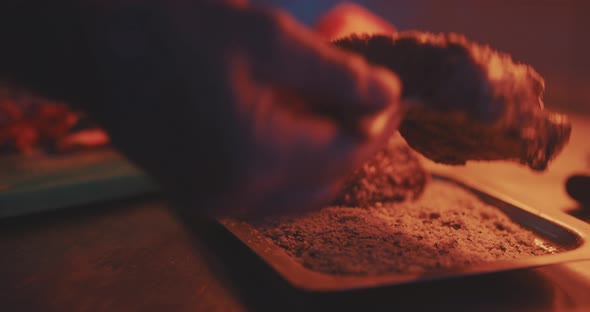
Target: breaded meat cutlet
466,101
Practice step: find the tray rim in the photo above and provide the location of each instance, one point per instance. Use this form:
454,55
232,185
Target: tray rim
308,280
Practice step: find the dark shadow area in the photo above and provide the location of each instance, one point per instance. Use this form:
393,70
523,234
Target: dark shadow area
253,281
56,217
580,212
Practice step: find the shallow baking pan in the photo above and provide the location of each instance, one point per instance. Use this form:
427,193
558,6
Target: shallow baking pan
558,228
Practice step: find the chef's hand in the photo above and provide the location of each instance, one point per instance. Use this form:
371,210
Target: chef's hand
235,110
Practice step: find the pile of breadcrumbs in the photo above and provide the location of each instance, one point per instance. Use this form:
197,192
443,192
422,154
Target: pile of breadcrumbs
448,227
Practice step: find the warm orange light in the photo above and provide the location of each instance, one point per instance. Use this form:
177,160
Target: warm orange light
85,138
347,18
28,123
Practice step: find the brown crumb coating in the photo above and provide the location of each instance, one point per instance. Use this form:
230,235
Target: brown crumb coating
393,174
447,228
465,100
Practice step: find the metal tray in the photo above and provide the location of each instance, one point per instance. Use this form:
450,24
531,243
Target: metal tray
558,228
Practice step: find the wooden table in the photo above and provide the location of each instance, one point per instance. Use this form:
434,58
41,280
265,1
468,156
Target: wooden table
135,256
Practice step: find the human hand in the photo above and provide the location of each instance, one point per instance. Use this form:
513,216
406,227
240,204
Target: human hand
236,110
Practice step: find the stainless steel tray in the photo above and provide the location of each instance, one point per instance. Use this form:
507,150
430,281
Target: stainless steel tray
558,228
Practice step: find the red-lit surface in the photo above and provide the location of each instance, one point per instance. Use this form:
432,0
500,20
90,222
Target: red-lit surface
348,18
134,255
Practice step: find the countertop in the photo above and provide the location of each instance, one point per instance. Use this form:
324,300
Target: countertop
134,255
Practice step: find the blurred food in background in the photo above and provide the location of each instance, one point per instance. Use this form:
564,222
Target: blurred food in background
30,124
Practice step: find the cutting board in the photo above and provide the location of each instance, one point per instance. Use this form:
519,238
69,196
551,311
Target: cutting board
42,182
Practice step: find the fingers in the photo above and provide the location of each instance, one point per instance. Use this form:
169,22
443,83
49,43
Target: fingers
333,81
300,159
296,161
348,18
299,163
